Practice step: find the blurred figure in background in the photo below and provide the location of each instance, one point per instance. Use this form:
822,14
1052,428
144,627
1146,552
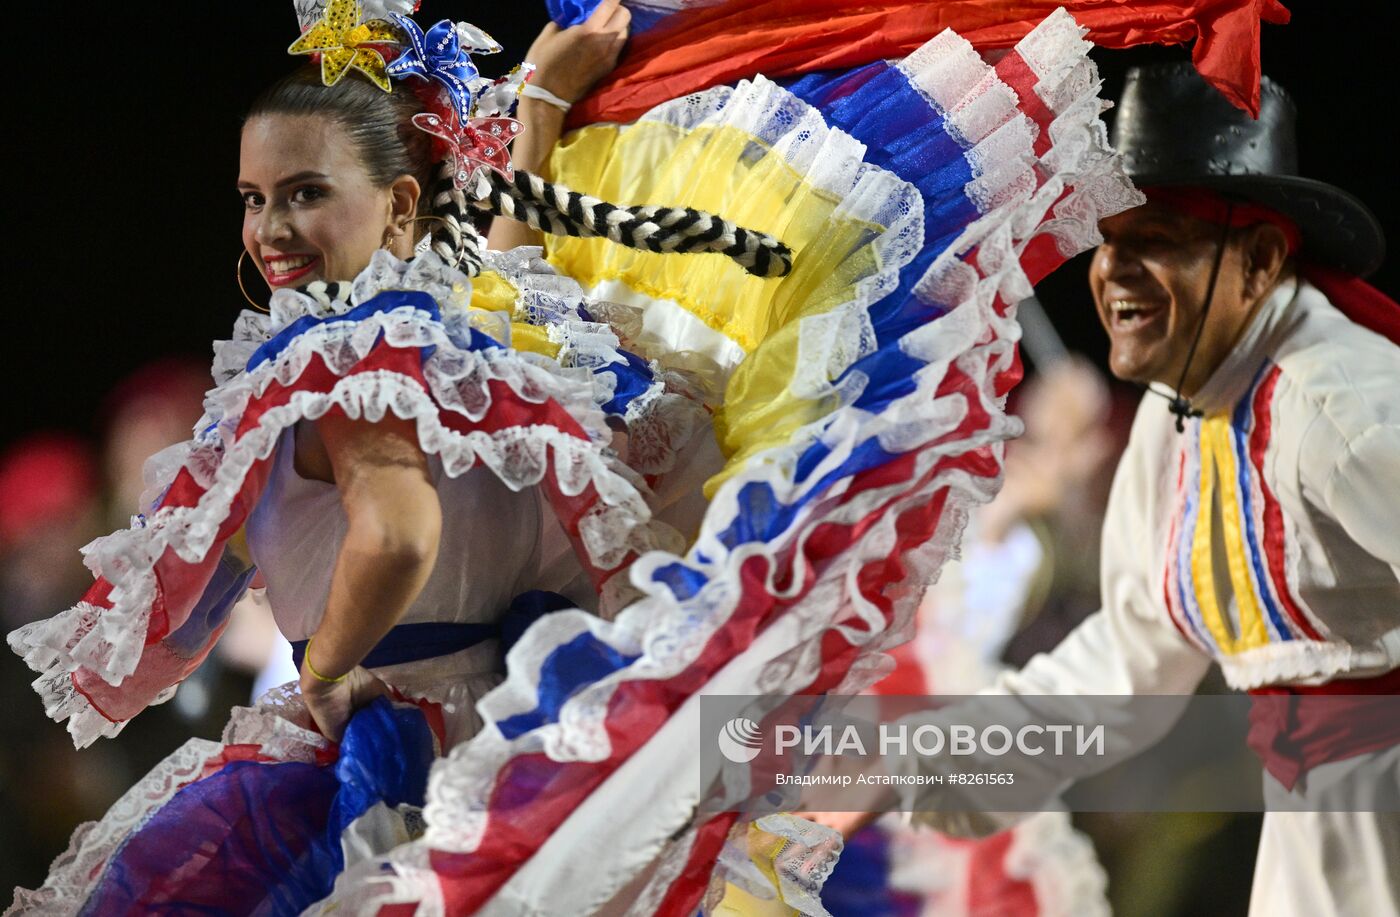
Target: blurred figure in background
1021,553
1032,553
154,407
48,509
56,495
150,410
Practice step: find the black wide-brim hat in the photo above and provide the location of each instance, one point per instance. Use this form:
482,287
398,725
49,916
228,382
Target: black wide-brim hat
1173,129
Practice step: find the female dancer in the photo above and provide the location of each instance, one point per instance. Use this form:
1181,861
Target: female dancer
856,392
380,445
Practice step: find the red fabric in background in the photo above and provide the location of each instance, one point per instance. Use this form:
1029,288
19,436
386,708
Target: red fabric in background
695,50
1358,300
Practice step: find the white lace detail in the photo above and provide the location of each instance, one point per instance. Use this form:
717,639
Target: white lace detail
982,113
77,870
449,287
34,643
1053,50
660,421
109,642
1083,183
987,106
1060,864
828,345
946,68
802,865
805,863
827,159
1280,663
279,724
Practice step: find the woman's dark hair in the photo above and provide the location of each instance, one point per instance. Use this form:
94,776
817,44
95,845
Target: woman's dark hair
377,122
380,125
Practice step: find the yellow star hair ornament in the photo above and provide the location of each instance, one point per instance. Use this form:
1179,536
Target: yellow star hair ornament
343,42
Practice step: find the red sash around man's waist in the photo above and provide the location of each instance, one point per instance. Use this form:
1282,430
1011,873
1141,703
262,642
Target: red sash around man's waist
1296,728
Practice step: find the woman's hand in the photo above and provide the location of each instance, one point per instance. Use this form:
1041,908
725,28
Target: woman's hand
569,61
331,704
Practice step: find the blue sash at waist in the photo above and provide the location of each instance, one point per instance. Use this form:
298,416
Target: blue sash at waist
431,639
413,642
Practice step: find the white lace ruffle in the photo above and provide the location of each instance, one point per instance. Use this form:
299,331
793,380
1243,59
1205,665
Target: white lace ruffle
826,159
668,634
1060,865
109,642
802,865
1284,662
660,421
76,871
1083,182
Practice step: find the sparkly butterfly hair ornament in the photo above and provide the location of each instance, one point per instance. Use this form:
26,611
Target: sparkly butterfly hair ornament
467,115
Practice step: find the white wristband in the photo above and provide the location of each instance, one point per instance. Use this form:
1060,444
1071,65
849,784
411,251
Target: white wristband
531,91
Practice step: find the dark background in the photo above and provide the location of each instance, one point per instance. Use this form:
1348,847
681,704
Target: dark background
124,138
123,142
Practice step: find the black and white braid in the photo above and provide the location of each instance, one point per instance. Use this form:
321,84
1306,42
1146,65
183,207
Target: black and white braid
558,210
454,237
327,293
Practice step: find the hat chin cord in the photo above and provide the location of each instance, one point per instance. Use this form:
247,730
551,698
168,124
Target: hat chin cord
1180,405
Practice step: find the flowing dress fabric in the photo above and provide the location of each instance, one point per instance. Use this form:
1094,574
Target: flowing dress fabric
1042,866
858,412
681,46
859,409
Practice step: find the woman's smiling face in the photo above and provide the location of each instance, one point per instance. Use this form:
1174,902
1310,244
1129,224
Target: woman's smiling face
311,211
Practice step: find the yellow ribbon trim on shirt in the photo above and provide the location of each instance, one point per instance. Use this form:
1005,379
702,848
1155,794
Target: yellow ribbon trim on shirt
1218,462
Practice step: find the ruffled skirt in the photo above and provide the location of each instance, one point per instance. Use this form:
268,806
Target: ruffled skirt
857,413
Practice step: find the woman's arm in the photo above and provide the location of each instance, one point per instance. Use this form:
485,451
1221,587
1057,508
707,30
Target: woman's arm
567,63
395,522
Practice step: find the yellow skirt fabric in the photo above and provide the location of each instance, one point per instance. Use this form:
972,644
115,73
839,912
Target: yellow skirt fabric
759,157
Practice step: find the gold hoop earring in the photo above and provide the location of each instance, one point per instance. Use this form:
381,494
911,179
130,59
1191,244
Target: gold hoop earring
238,273
428,216
387,241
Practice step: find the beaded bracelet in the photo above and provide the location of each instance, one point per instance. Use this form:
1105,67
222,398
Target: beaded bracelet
306,658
